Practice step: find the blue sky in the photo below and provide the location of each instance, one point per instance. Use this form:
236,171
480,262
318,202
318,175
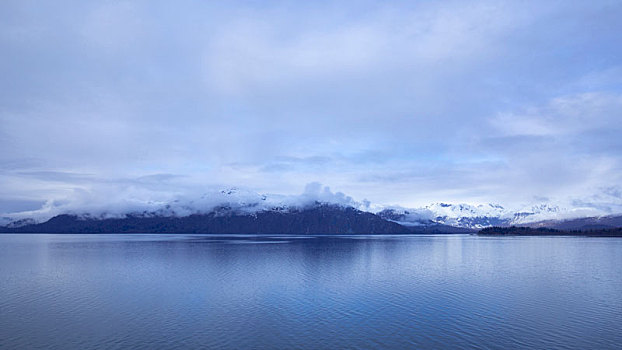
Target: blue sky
395,102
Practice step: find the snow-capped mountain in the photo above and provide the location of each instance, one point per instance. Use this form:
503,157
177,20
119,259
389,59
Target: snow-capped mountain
466,215
469,216
243,202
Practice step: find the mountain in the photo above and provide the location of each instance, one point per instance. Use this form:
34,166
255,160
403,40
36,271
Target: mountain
317,210
418,223
589,223
468,216
318,219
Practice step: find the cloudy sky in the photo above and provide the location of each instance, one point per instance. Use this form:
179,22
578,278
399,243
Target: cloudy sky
395,102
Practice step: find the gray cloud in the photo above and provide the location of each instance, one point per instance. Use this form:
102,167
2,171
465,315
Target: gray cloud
404,103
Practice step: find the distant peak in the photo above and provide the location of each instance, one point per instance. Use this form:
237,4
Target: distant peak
229,191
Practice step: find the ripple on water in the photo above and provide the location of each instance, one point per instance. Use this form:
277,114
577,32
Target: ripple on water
265,292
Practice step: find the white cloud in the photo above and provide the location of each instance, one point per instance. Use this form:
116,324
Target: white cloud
390,102
140,196
261,51
574,114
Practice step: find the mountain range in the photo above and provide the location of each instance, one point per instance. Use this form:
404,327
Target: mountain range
246,212
470,216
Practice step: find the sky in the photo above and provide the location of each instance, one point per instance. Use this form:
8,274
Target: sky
395,102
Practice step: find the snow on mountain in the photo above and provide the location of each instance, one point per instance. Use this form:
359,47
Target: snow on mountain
473,216
537,213
466,215
98,205
459,215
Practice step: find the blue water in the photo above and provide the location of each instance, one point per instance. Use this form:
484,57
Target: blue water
355,292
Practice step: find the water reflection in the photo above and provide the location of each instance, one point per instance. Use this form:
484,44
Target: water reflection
162,291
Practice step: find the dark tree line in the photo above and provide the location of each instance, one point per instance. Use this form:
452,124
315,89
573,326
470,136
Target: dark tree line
545,231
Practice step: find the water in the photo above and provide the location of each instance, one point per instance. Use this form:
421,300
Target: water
260,292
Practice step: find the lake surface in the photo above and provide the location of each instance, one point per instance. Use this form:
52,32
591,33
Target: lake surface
267,292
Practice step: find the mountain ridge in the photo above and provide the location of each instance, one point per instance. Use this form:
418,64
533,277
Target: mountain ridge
321,219
254,209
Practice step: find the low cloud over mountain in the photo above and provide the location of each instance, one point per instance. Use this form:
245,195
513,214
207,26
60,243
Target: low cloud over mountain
244,202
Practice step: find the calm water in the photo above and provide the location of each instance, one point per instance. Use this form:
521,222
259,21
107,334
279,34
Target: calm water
260,292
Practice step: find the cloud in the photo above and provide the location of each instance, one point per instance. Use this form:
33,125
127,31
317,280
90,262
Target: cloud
401,103
575,115
139,197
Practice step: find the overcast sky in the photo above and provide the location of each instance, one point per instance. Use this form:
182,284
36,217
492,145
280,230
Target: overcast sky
395,102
